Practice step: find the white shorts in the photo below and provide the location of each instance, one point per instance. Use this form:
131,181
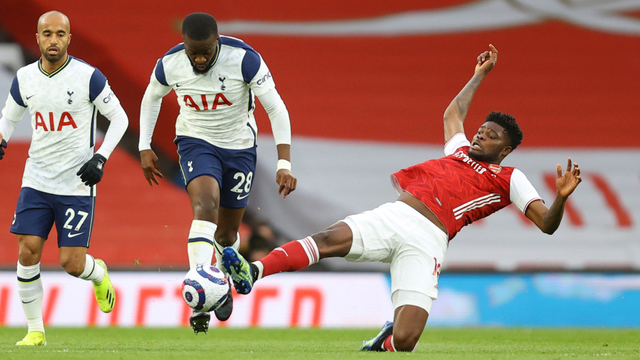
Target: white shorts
398,234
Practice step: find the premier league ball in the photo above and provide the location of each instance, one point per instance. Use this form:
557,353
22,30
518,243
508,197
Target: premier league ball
205,288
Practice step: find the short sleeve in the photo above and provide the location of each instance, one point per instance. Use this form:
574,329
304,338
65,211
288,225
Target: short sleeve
96,84
521,192
457,141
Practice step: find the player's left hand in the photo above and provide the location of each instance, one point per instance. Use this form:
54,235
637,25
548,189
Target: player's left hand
91,172
286,182
487,60
567,182
3,145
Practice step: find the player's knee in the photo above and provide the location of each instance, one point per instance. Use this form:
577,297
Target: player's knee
205,210
333,242
406,339
323,241
73,268
27,256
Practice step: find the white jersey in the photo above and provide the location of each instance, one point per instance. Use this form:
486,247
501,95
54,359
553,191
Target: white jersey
217,106
63,107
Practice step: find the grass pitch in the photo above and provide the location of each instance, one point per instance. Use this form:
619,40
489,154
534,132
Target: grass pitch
253,343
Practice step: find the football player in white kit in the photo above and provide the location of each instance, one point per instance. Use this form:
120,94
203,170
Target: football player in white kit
63,95
216,79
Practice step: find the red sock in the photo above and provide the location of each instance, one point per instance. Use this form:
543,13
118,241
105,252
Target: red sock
388,344
291,256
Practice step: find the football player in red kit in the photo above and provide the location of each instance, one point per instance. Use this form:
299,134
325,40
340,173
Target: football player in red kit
437,198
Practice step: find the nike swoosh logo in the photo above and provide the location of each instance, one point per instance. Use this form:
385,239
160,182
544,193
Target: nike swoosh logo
70,235
28,302
29,97
240,197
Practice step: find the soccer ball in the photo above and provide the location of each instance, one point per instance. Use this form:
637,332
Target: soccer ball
205,288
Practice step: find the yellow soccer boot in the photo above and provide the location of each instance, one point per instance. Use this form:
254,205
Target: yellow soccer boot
33,338
105,294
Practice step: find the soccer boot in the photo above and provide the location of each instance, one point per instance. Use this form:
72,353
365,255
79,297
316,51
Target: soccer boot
200,322
239,269
105,294
224,312
33,338
375,344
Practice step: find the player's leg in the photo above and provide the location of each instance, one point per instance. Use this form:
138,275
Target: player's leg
32,223
74,222
201,169
335,241
239,168
204,194
30,289
229,221
416,260
227,234
402,334
409,322
237,178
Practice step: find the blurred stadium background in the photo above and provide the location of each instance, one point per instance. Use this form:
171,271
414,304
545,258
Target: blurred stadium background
366,84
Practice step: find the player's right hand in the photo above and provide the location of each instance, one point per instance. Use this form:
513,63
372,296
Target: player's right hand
149,162
3,145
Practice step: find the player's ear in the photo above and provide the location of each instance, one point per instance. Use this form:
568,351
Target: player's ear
506,151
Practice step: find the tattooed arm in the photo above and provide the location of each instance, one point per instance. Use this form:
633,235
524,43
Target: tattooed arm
457,110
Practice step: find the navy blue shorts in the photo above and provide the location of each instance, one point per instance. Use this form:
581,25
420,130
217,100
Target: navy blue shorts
37,211
233,169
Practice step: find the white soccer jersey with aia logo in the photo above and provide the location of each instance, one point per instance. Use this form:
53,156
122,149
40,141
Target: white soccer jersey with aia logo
63,107
216,106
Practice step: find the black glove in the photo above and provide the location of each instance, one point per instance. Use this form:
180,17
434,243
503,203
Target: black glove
3,144
91,172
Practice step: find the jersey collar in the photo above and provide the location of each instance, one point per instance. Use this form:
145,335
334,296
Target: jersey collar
56,71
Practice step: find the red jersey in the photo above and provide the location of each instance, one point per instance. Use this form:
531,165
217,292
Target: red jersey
460,190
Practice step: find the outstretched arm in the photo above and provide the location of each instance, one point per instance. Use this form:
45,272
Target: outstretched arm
457,110
548,219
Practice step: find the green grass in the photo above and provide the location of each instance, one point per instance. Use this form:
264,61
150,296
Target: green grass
281,344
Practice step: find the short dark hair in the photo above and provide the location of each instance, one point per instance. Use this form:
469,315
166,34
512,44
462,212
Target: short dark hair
510,126
199,26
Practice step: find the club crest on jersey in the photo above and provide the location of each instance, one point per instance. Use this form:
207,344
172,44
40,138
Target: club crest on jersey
222,79
69,92
495,168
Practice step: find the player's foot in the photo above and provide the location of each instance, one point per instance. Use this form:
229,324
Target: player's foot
375,344
33,338
239,269
105,294
224,312
200,322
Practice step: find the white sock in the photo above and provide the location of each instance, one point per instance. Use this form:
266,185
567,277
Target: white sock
31,293
92,271
219,248
200,246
